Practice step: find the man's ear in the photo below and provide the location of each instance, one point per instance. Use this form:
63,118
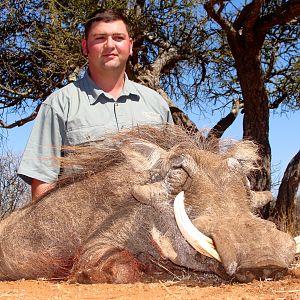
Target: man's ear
84,49
131,46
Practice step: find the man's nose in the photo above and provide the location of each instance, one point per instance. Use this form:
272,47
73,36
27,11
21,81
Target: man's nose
110,42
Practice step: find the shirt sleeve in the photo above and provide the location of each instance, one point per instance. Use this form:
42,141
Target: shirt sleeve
164,110
44,148
169,118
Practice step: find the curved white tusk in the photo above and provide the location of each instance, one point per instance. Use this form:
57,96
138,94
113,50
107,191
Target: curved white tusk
194,237
297,240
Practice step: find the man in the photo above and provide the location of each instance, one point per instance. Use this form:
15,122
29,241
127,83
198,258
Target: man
103,101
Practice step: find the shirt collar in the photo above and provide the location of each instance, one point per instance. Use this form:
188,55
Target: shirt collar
94,92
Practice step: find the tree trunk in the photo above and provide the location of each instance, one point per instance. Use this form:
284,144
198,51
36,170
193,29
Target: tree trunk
246,34
256,114
285,208
256,119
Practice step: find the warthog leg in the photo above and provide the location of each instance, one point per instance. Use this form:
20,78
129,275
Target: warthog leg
107,264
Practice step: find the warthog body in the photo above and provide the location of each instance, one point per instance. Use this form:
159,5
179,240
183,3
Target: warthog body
113,219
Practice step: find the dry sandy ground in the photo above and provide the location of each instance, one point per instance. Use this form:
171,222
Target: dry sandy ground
288,288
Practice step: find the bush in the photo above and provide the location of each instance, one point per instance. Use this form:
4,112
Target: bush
14,192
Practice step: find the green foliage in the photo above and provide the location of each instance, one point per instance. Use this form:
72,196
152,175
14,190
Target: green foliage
39,53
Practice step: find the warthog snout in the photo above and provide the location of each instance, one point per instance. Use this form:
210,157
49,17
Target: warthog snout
264,269
247,247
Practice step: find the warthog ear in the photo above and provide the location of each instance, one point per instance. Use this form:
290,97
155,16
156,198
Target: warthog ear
244,154
143,155
258,199
175,170
179,161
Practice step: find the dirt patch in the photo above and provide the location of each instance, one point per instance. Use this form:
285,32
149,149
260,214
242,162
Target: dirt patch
288,288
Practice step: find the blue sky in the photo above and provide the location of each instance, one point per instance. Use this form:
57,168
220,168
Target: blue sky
284,137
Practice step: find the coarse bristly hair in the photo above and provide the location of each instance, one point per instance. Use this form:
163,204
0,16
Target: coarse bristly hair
84,160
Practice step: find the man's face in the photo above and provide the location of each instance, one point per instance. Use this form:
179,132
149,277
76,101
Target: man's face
107,46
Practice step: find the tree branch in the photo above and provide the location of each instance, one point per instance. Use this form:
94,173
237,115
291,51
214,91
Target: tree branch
239,21
218,130
22,121
279,100
271,63
252,17
9,90
165,55
282,15
216,15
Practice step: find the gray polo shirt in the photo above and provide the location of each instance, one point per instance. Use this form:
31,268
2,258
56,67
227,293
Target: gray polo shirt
81,112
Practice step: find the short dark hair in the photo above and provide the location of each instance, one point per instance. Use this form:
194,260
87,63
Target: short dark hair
105,15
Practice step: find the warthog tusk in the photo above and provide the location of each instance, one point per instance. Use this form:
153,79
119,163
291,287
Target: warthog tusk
297,240
194,237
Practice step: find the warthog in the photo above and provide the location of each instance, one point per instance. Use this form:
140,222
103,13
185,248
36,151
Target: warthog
112,218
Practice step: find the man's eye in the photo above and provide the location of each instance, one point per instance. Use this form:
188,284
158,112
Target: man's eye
119,38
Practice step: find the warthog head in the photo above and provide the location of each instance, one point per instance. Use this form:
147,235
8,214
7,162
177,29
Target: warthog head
219,218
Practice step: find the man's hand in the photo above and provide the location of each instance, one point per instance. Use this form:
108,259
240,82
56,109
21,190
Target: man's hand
39,188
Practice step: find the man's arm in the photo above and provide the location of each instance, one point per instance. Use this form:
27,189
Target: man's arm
39,164
39,188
